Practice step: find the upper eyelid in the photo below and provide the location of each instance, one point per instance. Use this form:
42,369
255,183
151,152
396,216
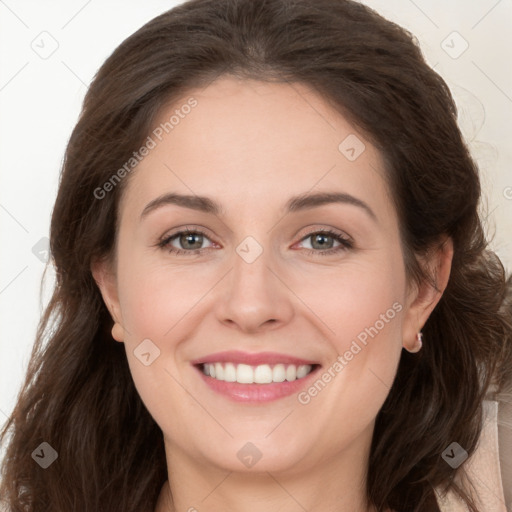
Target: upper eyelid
329,231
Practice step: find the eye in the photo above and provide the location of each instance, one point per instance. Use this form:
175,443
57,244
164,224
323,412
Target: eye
324,241
191,242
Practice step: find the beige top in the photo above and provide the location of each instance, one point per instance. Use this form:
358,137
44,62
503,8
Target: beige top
490,466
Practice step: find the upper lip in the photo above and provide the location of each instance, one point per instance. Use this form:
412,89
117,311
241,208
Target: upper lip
252,359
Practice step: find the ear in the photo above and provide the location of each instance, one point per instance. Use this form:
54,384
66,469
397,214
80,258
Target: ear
424,297
106,279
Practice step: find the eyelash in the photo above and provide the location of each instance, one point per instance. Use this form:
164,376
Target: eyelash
345,243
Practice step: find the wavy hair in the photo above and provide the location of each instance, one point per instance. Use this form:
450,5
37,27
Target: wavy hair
78,394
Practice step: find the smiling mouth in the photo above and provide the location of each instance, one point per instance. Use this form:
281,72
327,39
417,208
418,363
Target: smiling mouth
260,374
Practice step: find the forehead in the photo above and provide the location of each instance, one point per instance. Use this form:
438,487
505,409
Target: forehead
255,139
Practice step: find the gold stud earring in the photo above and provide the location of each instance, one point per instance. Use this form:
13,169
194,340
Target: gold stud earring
418,344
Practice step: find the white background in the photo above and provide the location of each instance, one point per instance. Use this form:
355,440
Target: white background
40,101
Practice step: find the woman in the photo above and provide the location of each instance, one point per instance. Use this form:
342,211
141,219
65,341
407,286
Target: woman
329,337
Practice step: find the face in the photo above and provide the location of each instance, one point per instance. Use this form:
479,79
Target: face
270,285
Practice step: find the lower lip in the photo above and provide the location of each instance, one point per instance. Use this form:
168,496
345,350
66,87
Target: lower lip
257,393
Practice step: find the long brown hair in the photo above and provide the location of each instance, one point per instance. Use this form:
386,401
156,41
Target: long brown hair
78,395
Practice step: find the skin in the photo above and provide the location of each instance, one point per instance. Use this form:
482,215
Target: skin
251,146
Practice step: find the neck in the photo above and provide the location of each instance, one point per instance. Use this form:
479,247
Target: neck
337,484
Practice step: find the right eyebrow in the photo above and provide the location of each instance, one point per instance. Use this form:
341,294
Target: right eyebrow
200,203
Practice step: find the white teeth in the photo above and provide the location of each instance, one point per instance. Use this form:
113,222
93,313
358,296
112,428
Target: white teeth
229,372
219,371
291,373
279,373
244,374
261,374
303,370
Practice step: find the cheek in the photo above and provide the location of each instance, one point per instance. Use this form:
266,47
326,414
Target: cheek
154,298
155,304
362,309
158,304
357,301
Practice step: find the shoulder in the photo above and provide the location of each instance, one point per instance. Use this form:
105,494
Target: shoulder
490,466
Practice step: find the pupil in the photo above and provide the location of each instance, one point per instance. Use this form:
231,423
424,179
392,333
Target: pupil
188,237
322,245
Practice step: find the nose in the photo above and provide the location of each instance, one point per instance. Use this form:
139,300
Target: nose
255,297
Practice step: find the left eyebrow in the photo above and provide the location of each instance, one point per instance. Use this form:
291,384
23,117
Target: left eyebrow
307,201
294,204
